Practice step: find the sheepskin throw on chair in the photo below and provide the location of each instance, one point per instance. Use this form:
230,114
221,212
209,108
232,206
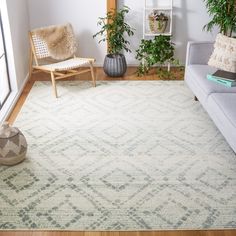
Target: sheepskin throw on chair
60,40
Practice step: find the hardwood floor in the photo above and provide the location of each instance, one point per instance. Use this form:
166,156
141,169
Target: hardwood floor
131,75
161,233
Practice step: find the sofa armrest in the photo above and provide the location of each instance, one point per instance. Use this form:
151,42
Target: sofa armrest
199,52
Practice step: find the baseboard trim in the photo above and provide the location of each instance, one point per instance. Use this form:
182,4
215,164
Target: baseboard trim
137,65
12,100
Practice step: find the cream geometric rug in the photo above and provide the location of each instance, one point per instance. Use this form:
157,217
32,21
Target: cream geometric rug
127,155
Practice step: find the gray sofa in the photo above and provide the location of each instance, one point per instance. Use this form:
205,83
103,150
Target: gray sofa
217,100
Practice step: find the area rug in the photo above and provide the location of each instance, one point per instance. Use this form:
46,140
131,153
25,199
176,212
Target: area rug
127,155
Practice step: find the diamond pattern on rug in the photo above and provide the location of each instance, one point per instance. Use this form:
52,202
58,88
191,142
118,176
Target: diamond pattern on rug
127,155
17,184
111,180
66,206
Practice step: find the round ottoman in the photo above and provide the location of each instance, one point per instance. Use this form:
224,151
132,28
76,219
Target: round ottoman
13,145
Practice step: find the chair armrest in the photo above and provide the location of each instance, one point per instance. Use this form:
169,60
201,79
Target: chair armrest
199,53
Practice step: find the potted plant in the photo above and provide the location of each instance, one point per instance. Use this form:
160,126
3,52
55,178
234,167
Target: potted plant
158,22
113,30
223,14
160,50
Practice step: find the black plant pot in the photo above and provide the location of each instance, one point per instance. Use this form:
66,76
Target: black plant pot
115,65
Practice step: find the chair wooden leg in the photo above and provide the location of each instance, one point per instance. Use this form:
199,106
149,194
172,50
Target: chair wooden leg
30,64
93,75
54,84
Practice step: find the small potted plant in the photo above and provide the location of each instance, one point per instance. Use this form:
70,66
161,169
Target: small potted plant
114,29
158,22
159,50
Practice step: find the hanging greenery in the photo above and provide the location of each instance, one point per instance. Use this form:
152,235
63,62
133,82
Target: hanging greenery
223,13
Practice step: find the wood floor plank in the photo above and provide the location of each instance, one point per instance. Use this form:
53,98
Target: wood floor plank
110,234
130,234
16,233
58,234
20,102
92,233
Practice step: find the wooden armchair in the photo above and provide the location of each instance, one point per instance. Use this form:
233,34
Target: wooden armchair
60,69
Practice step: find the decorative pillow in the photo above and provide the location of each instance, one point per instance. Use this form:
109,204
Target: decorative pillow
224,55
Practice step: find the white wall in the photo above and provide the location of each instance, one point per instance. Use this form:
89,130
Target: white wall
19,27
83,14
189,18
15,20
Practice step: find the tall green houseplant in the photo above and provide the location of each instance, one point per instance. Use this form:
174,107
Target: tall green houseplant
223,13
115,31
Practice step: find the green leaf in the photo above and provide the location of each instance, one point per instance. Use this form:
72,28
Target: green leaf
223,13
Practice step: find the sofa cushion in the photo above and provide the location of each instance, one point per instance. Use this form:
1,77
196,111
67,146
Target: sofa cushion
224,55
199,74
222,109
